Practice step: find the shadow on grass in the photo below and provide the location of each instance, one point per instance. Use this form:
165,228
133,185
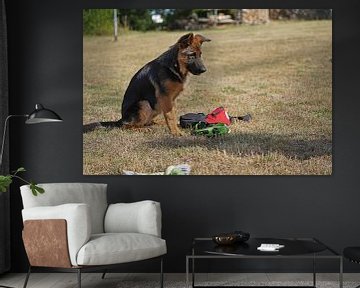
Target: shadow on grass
245,144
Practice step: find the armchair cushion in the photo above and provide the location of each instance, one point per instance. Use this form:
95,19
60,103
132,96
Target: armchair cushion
138,217
77,218
113,248
93,194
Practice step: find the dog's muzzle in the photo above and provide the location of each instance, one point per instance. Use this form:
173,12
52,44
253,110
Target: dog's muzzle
197,68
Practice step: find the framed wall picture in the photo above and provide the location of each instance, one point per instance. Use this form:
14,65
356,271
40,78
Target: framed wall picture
207,91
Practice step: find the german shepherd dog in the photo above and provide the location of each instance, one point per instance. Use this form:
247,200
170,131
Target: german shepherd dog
154,88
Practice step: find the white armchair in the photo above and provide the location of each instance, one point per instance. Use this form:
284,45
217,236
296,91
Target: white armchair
72,228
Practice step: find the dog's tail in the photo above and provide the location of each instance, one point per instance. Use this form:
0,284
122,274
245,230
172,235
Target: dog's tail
107,124
112,124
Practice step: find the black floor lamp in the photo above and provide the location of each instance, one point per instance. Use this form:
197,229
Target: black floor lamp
39,115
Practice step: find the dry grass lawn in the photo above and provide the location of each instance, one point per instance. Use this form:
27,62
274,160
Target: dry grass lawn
280,73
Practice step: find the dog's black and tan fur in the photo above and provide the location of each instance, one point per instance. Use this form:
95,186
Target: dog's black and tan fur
154,88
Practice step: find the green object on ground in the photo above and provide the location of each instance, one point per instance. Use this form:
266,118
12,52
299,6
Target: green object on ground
211,130
182,169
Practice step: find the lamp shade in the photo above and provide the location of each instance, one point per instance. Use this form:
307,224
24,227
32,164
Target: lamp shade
42,115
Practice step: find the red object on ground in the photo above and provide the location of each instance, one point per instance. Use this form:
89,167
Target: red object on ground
219,115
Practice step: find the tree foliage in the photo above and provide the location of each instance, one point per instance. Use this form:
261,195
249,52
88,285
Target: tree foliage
101,21
98,21
136,19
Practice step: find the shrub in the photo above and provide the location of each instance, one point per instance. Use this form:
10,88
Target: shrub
98,21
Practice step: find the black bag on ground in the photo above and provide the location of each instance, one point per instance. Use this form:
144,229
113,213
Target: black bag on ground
189,120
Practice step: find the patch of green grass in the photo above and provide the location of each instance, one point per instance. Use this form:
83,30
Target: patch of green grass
281,73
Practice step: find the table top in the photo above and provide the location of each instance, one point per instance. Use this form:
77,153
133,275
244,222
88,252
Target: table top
292,247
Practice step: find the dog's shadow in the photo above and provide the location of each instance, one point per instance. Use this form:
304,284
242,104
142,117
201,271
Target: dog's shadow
243,144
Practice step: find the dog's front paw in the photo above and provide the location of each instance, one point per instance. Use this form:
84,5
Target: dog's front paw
178,133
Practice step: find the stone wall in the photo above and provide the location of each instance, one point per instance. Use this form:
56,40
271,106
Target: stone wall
262,16
254,16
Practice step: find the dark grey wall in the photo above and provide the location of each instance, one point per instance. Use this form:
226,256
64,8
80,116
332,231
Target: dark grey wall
45,50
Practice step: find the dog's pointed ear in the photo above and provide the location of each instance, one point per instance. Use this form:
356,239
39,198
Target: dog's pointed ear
186,40
200,39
